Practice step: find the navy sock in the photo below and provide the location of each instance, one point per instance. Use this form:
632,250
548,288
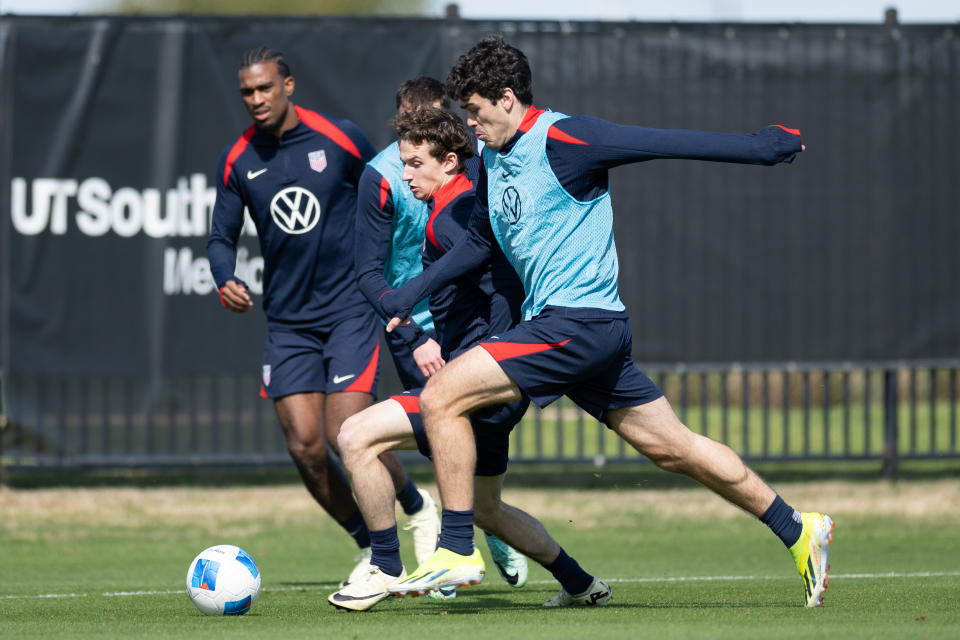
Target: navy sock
569,574
409,498
456,531
357,528
784,521
385,547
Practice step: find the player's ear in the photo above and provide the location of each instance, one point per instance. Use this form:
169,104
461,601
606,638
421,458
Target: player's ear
450,162
508,99
288,85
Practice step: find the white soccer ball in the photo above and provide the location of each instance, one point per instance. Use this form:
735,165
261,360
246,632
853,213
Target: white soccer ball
223,581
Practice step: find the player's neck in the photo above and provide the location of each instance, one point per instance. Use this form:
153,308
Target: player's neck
290,120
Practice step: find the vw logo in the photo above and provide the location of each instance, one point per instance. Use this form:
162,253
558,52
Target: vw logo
511,204
295,210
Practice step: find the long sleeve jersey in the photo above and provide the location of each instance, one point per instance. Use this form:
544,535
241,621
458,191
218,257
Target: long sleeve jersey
544,200
301,192
481,302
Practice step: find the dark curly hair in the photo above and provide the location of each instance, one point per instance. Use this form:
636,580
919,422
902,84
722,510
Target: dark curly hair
259,55
421,91
487,69
444,131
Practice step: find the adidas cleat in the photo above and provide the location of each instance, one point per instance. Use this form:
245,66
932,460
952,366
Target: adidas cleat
597,595
443,569
365,590
510,563
810,555
362,567
425,525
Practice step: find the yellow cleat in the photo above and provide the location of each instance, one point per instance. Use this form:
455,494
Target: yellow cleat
810,555
442,570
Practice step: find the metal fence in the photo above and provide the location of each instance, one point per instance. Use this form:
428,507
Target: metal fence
829,411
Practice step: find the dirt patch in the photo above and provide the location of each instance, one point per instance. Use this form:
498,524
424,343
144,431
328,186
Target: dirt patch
26,512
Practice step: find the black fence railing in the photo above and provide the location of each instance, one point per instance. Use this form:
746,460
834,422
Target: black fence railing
827,411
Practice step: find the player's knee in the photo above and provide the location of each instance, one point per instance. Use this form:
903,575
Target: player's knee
431,403
351,441
307,450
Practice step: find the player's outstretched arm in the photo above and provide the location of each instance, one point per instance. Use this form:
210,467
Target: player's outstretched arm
467,254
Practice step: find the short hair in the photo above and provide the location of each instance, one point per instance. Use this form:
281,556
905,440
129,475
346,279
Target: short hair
442,130
421,91
261,54
487,69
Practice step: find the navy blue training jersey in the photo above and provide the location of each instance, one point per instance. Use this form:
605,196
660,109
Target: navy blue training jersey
301,191
480,303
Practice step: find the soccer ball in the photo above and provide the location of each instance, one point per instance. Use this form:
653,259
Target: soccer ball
223,581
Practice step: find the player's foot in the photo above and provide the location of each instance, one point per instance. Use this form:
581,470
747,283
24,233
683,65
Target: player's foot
447,593
364,591
810,555
597,595
443,569
510,563
362,561
425,525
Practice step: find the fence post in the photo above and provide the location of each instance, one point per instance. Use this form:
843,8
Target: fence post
890,407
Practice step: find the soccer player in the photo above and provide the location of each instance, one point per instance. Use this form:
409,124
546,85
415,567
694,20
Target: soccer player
296,172
434,146
543,198
390,232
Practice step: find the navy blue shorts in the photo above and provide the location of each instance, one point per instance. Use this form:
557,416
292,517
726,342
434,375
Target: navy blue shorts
584,354
407,369
491,430
342,357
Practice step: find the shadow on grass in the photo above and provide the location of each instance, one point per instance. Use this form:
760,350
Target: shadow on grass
545,476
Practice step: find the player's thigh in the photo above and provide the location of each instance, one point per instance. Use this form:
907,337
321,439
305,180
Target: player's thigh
342,405
652,428
301,417
381,427
469,381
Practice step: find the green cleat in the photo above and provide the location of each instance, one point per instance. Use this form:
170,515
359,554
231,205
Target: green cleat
510,563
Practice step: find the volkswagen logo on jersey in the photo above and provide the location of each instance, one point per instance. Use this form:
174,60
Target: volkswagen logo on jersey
511,204
295,210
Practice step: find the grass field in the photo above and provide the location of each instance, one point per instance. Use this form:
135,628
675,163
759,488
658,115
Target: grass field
111,562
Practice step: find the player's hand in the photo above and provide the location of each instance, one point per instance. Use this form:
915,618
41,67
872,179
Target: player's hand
234,296
396,322
428,358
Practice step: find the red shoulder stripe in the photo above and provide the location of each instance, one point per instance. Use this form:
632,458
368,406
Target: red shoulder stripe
556,134
442,198
318,123
235,151
384,192
795,132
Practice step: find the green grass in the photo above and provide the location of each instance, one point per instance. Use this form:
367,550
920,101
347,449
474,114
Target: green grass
673,577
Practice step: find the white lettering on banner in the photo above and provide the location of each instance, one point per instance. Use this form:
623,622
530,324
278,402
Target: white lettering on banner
43,204
185,275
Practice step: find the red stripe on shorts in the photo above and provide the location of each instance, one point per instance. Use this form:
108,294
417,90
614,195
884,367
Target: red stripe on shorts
410,404
506,350
364,383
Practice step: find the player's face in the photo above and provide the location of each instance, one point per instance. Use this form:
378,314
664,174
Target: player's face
421,171
489,120
266,94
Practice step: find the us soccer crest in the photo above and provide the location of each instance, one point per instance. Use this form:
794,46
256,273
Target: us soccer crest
266,375
318,160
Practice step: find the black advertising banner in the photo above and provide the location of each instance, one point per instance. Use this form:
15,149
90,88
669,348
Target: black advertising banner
112,128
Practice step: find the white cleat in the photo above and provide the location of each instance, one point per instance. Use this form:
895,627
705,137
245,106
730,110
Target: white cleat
425,526
362,567
365,590
597,595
